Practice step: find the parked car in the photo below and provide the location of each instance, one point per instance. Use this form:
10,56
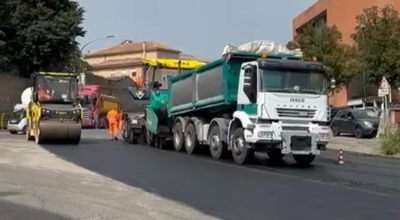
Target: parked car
17,122
360,122
335,110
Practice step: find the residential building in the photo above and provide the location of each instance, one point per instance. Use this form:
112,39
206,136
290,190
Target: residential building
342,14
124,59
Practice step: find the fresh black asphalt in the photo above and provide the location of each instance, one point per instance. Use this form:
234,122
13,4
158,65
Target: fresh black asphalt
365,187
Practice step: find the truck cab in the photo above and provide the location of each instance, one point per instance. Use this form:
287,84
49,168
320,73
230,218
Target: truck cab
88,95
283,104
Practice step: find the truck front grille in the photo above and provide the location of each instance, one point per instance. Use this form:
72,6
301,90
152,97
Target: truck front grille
85,113
295,113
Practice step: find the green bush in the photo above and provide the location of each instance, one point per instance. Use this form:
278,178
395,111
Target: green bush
390,141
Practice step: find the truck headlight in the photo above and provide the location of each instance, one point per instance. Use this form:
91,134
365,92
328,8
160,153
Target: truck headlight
324,136
265,134
45,111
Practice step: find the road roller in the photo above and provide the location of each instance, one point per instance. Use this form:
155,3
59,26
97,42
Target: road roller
54,115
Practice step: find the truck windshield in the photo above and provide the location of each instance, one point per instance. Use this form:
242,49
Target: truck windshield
86,100
290,81
56,89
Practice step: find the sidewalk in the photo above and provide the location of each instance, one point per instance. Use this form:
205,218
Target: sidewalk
349,143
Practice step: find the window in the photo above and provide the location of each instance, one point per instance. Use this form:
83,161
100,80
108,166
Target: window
349,115
164,78
133,73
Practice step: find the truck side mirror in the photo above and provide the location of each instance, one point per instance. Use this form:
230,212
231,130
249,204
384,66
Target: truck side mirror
250,83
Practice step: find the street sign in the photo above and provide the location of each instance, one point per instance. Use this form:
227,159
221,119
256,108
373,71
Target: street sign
384,88
384,84
383,92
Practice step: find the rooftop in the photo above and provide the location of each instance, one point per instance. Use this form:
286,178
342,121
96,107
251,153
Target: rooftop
129,46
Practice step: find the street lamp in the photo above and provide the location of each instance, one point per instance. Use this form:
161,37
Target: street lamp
362,26
87,44
95,40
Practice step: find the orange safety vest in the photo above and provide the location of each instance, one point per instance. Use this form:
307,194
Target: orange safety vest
112,116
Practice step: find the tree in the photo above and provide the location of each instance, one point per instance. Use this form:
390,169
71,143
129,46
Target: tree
378,42
3,58
324,43
40,34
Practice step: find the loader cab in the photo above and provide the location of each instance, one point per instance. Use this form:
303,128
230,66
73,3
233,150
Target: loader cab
55,88
154,80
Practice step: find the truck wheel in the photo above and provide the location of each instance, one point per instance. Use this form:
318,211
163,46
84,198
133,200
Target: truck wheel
159,142
217,148
304,160
241,153
131,137
191,143
178,136
149,138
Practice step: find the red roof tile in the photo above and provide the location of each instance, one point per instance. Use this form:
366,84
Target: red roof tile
117,63
191,57
130,46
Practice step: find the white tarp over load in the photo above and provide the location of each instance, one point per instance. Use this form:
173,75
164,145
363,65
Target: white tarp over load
262,47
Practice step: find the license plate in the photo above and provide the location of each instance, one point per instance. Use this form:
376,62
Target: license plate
13,121
61,113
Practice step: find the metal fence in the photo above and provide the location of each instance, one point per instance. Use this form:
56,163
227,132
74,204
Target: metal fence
4,117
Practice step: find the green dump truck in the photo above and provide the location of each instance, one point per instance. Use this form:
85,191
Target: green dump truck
242,103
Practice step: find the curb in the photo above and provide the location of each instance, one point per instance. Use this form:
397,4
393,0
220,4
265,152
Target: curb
367,154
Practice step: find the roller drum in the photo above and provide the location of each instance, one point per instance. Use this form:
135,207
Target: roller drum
59,133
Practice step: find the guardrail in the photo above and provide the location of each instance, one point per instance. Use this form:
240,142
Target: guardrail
4,117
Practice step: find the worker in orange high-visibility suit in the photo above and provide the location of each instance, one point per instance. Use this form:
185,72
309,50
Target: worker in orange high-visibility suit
113,119
120,120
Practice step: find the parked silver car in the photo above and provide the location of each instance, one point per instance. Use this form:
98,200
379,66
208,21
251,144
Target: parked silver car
17,122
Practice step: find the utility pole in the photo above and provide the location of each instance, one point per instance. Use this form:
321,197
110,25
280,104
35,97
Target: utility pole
363,68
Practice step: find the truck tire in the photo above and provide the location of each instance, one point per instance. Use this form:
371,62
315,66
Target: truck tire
303,160
191,143
217,147
149,138
131,137
159,142
241,153
178,136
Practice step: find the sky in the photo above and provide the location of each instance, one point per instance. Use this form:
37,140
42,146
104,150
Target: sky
201,28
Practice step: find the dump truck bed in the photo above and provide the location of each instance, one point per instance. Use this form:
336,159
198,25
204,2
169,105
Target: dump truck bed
107,103
211,88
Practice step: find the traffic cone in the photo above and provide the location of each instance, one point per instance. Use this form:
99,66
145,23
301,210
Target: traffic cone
340,157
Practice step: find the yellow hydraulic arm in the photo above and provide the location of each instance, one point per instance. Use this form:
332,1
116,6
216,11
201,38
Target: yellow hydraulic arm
174,63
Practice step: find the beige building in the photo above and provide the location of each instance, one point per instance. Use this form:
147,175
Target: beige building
124,59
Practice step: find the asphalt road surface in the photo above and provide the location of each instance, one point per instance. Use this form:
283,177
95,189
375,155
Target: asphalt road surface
365,187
